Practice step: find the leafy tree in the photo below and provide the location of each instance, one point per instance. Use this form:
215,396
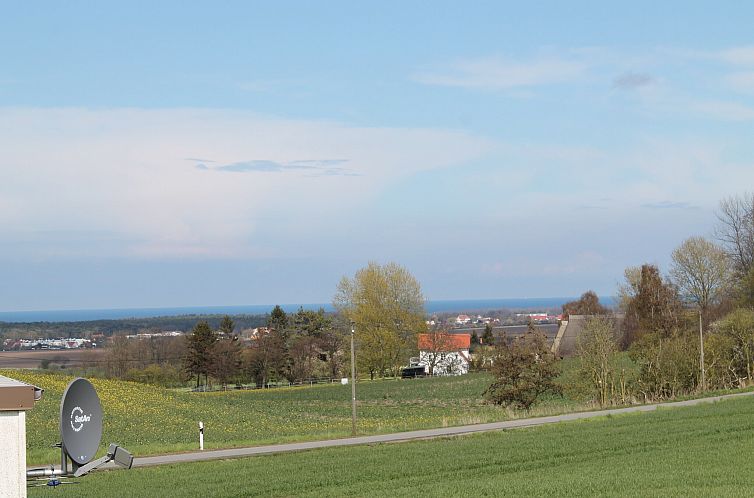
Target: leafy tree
278,319
226,326
668,365
310,323
313,345
200,345
629,288
652,307
488,338
387,307
523,370
738,326
474,341
745,290
587,304
597,348
700,269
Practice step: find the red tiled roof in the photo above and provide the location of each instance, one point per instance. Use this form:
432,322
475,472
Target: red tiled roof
444,342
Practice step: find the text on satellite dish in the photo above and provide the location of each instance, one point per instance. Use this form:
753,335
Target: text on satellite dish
77,420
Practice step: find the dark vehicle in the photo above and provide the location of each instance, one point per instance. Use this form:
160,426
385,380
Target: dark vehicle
413,372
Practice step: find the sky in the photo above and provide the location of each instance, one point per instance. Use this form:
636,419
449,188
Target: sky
229,153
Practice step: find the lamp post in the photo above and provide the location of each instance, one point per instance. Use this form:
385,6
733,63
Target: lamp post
701,352
353,382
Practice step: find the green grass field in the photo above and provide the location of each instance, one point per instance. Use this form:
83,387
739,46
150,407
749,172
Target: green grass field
153,420
697,451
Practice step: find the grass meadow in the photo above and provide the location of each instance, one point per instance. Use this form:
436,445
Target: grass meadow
153,420
696,451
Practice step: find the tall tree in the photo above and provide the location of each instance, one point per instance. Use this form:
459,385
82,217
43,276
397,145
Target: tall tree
700,269
200,345
278,319
386,305
735,231
474,340
654,308
597,348
226,327
226,360
266,358
488,338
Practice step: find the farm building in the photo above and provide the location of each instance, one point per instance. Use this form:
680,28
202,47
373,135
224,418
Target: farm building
444,354
566,341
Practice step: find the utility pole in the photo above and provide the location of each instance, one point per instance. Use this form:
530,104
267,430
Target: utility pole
353,382
701,351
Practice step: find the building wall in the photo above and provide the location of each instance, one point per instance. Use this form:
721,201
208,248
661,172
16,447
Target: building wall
12,454
452,361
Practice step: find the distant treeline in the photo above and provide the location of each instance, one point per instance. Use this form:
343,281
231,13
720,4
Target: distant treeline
183,323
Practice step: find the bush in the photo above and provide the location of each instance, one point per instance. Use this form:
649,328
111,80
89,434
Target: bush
524,369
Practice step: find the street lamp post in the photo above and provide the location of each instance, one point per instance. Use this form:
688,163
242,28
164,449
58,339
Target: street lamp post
353,382
701,351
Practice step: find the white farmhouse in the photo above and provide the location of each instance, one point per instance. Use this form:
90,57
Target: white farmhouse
441,353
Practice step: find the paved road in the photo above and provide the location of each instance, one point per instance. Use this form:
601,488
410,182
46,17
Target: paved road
412,435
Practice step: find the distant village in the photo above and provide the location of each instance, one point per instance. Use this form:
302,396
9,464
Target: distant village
447,321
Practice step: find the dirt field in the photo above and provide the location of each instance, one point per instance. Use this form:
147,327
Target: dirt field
67,357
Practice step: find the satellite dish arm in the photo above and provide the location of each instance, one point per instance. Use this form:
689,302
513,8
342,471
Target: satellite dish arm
43,472
114,453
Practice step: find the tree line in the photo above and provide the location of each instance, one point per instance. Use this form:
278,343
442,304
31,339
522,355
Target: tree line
687,331
382,305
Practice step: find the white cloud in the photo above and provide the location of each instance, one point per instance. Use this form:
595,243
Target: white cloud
502,74
742,82
724,110
742,56
124,172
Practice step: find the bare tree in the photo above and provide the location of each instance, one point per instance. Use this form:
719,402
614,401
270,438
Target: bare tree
700,269
735,230
226,361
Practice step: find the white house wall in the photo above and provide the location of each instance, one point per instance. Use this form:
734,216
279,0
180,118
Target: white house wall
450,363
13,454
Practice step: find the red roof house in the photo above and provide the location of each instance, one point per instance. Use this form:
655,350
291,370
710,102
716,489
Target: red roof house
444,342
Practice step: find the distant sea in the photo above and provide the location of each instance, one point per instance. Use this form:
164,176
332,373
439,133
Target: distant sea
433,306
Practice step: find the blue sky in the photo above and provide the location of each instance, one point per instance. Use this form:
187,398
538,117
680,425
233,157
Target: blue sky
238,152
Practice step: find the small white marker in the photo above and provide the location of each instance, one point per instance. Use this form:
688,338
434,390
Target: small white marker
201,435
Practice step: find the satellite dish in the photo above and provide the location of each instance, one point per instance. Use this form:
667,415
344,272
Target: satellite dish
80,431
80,421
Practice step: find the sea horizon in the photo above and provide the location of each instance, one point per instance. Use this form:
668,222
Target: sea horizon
431,306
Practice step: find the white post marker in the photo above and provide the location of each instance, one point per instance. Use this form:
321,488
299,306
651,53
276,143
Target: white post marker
201,435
